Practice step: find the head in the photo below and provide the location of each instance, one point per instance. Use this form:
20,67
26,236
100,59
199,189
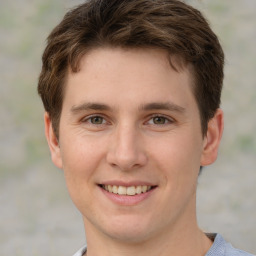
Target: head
129,88
171,25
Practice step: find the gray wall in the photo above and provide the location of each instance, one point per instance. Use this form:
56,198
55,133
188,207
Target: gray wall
37,217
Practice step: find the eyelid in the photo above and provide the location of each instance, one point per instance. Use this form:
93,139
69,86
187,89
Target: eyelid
168,118
87,118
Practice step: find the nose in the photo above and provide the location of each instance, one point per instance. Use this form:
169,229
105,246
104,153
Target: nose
126,150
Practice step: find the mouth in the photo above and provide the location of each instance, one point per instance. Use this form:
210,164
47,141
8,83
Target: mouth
127,191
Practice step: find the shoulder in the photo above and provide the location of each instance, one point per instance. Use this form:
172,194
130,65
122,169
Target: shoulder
80,252
230,250
221,248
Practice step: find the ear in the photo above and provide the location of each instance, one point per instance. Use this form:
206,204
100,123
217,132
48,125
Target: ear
212,138
52,141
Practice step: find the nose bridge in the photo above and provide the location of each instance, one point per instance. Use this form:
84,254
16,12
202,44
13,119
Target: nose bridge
126,151
126,140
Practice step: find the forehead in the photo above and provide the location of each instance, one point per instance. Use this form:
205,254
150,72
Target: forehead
123,54
107,72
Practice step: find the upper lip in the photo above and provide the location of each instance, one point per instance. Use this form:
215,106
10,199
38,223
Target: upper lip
127,183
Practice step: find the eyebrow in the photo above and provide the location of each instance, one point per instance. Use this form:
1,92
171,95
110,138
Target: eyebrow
89,106
144,107
162,106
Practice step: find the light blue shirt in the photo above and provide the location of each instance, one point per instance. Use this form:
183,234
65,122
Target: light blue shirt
219,248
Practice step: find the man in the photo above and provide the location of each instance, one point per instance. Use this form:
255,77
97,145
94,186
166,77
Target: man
132,93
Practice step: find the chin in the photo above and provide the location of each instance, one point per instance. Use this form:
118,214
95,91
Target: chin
129,230
129,236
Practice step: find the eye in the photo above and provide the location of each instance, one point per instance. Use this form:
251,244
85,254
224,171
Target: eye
159,120
95,120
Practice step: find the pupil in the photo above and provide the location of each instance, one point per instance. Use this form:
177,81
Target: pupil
97,120
159,120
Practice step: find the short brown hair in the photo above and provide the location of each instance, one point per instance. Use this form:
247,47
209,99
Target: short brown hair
171,25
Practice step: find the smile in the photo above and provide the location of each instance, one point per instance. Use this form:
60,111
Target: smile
127,191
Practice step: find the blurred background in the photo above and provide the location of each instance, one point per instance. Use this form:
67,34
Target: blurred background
37,216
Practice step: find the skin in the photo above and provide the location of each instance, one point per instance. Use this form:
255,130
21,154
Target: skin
134,120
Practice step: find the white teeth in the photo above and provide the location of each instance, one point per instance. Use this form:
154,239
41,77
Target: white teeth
121,190
114,189
109,188
138,189
144,189
130,191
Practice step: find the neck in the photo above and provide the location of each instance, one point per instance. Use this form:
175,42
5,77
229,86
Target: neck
197,247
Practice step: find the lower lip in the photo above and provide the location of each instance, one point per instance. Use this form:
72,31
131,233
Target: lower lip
127,200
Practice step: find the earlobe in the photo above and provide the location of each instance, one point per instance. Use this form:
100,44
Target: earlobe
212,139
52,141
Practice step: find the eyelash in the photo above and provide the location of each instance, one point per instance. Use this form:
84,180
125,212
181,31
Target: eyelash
167,120
88,119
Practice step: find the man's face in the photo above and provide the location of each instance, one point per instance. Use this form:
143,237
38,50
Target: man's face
130,143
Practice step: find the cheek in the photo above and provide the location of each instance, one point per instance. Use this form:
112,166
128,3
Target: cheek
178,156
80,162
80,159
178,149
